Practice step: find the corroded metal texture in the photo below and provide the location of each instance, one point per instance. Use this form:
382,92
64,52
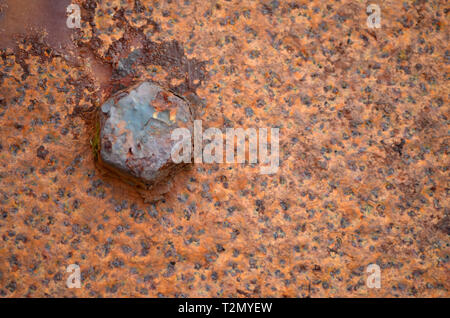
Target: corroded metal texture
363,176
135,133
20,16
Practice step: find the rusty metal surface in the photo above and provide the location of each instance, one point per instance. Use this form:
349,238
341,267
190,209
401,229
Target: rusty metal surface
363,177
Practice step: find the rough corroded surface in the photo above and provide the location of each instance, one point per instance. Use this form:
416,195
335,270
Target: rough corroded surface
363,177
136,128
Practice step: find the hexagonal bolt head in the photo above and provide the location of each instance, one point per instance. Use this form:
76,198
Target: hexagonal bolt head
135,133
